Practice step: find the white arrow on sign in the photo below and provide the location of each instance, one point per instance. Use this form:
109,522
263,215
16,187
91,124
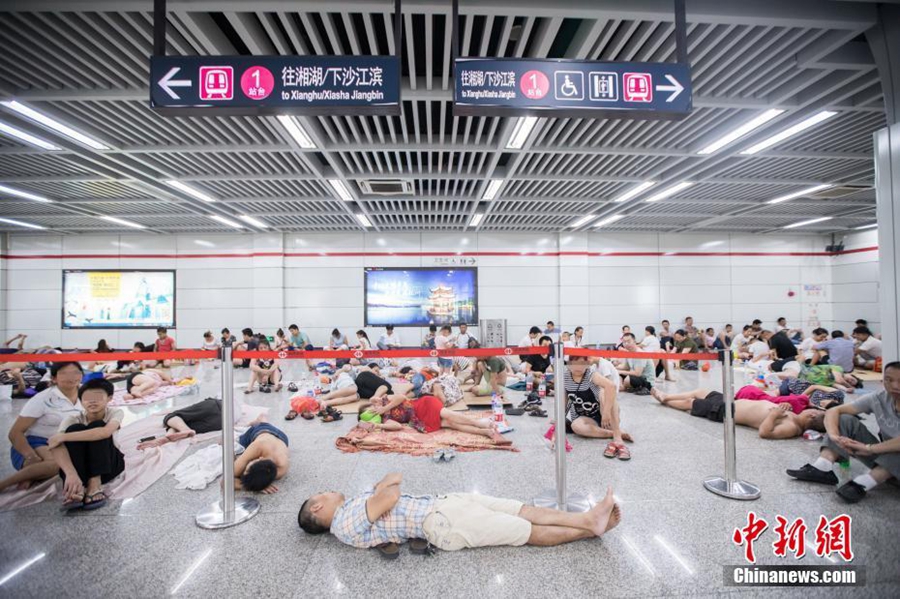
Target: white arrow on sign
167,83
676,88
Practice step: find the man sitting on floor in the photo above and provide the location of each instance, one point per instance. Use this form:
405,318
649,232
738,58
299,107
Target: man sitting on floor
637,374
774,421
684,344
449,522
848,437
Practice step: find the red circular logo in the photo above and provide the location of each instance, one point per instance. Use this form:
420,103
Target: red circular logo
434,353
257,83
534,85
357,354
508,351
282,354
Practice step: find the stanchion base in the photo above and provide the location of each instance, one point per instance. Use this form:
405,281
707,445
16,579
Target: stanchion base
213,517
575,502
738,489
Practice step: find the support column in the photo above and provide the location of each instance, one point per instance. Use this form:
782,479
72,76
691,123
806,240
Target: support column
884,39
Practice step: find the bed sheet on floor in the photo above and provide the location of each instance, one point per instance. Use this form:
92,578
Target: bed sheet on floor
161,394
414,443
142,468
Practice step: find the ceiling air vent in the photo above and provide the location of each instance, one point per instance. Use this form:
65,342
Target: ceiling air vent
838,192
386,187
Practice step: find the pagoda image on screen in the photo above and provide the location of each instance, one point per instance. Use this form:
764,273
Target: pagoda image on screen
442,301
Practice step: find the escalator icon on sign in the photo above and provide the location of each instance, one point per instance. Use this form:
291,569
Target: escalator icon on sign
568,85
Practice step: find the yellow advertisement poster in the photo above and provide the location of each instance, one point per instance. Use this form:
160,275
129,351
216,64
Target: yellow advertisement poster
105,284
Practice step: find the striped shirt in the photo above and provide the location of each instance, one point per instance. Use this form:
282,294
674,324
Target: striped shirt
583,397
405,521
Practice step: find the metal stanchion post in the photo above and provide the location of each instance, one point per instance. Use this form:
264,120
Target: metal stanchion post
227,512
729,485
560,498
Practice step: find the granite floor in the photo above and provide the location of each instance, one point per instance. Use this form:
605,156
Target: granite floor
674,540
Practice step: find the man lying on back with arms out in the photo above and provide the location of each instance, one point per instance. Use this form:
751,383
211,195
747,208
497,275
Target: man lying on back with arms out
449,522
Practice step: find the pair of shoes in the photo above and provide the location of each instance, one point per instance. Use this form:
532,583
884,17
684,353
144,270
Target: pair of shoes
329,414
533,399
537,412
389,550
811,474
265,388
443,455
293,388
421,547
617,450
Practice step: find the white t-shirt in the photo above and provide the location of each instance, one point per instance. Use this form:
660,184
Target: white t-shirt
50,407
806,348
608,370
442,342
526,341
210,345
81,418
390,339
759,348
462,340
650,343
738,342
871,347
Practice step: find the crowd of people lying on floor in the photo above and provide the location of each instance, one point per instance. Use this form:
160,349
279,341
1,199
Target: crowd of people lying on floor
793,385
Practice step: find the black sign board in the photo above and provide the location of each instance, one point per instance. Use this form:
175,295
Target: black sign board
261,85
576,88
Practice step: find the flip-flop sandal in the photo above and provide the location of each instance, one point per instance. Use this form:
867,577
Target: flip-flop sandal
612,449
623,453
514,411
307,415
449,454
420,547
388,550
438,456
95,504
72,506
291,415
538,413
293,388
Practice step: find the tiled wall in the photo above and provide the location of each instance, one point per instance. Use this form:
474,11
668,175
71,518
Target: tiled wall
598,280
855,282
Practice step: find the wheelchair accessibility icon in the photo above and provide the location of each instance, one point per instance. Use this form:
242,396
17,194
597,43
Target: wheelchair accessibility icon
568,85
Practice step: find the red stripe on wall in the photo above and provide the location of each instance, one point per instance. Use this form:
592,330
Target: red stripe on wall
414,254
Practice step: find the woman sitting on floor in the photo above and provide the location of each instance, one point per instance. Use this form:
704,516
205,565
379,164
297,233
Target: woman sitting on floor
264,371
593,408
37,422
85,450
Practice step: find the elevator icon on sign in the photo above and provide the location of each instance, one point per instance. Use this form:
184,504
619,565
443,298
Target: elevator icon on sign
604,86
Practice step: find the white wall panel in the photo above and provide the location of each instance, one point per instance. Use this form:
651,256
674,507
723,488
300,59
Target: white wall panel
670,274
613,275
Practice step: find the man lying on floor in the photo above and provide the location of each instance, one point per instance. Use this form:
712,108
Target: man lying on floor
848,436
265,457
772,420
449,522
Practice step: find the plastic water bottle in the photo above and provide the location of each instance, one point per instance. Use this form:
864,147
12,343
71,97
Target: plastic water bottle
542,390
497,407
844,472
529,382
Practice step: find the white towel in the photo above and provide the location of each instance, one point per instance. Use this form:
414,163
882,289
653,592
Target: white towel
202,467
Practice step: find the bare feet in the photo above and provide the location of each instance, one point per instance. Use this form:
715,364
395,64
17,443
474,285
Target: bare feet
658,395
498,438
601,514
627,437
614,518
24,485
174,437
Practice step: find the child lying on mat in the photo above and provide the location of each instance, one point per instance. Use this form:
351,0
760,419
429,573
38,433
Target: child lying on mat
426,414
146,382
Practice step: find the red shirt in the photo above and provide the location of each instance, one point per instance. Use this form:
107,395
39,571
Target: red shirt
798,402
166,344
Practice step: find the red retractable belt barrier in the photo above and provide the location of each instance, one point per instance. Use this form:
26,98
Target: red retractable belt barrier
187,354
360,354
608,353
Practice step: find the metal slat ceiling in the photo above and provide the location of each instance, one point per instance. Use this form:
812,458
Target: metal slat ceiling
89,68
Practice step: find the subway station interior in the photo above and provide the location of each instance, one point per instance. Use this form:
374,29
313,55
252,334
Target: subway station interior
585,298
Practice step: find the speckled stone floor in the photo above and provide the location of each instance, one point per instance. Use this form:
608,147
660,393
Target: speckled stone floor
674,540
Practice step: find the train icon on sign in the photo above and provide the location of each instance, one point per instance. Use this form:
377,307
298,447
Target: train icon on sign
638,87
216,83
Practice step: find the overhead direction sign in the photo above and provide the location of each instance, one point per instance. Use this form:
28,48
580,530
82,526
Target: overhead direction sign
577,88
261,85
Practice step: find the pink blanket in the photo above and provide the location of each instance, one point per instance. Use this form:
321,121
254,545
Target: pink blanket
142,468
161,394
412,442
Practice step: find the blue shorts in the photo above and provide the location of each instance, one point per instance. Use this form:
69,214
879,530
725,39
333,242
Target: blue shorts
258,429
445,362
17,459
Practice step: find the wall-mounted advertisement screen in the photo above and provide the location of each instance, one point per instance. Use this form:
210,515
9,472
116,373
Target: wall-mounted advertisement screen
417,297
118,299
